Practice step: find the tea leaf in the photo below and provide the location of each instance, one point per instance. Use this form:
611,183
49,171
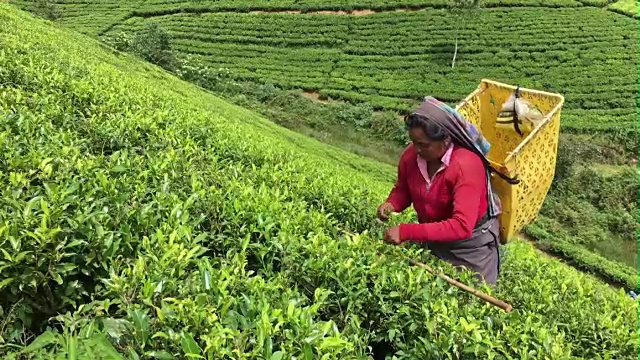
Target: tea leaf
44,339
189,345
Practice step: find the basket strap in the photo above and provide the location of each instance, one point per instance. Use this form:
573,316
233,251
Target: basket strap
510,180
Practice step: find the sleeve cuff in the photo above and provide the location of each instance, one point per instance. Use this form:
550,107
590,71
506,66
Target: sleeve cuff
409,231
393,203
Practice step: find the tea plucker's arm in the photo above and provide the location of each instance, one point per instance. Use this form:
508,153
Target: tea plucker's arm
468,186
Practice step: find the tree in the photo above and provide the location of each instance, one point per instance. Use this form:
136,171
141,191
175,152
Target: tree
46,9
461,11
153,44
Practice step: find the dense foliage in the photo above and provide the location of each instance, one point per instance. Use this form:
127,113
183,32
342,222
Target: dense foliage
595,230
608,201
626,7
158,221
589,216
383,59
593,236
587,219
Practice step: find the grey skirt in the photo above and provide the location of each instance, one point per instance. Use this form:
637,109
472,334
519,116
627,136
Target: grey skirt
479,253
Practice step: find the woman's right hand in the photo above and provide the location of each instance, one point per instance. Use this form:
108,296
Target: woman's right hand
384,210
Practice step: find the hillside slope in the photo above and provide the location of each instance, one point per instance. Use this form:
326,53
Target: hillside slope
167,222
388,54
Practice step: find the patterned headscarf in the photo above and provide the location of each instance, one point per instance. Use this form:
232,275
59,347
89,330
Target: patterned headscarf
468,136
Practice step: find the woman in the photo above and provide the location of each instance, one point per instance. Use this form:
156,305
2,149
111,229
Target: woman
444,173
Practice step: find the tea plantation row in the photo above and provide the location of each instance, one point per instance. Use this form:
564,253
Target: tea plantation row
169,223
245,44
96,17
72,8
626,7
392,59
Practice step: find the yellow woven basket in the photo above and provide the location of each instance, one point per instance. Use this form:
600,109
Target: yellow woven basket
530,157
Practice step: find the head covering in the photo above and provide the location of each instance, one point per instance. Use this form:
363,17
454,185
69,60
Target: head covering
468,136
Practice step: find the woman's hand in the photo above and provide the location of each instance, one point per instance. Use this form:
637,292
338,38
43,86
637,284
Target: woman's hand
392,235
384,210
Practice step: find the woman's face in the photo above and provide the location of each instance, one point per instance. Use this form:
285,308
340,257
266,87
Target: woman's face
427,149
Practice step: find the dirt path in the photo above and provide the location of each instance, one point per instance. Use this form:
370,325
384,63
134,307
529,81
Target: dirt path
314,96
364,12
359,12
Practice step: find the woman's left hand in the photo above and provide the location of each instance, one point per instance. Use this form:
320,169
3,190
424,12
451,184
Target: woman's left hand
392,235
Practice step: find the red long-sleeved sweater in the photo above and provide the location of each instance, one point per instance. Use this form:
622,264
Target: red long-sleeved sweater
449,209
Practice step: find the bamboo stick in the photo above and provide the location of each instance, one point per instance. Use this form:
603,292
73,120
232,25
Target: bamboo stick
498,303
493,301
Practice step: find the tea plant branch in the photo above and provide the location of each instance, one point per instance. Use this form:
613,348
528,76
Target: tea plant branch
3,324
499,303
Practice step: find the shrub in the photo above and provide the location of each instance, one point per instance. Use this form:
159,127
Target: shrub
151,43
47,9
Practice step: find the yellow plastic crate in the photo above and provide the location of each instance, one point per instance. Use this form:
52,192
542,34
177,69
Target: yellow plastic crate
531,158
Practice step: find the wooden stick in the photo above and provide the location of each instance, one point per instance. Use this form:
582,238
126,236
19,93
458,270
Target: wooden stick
499,303
493,301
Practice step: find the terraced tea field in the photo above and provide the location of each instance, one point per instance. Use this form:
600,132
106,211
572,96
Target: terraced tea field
154,220
393,58
626,7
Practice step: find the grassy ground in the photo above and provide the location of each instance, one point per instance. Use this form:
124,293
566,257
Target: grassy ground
334,123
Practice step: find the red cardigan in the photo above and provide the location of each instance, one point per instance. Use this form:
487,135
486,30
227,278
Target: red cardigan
450,208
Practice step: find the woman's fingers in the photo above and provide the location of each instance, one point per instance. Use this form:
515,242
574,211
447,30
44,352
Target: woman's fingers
383,211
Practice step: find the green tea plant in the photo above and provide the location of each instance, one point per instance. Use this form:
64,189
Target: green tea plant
47,9
626,7
143,215
392,59
462,10
370,66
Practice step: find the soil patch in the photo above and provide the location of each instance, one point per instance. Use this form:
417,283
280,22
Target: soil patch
321,12
314,96
362,12
330,12
275,12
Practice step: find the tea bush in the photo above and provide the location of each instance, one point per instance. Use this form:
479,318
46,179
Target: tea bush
590,209
260,61
147,218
